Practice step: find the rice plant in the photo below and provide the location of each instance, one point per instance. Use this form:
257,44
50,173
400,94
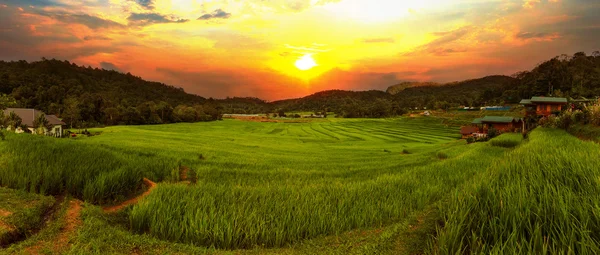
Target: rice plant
507,140
542,199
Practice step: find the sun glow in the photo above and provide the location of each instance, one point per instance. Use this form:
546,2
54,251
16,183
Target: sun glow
306,62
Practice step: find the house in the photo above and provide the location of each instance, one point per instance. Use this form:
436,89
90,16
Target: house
501,123
496,108
468,131
28,116
244,116
543,106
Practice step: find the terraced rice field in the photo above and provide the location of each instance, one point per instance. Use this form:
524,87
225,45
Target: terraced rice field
272,184
380,186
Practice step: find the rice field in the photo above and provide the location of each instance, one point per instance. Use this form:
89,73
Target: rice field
272,184
272,187
20,213
542,199
508,140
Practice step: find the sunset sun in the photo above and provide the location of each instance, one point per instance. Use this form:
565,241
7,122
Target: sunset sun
306,62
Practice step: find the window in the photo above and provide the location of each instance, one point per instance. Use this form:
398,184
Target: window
554,108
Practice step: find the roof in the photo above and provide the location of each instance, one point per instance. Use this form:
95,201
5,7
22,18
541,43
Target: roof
498,119
556,100
467,130
53,120
476,121
526,101
28,116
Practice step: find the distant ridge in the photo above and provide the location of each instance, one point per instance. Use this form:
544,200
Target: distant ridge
395,89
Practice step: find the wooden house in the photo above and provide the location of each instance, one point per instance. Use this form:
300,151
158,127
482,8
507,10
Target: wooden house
468,131
544,106
501,123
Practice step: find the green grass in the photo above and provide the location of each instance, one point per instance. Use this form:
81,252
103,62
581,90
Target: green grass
507,140
334,186
541,199
97,173
21,213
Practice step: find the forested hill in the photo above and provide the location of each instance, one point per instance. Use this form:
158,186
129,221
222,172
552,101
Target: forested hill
86,96
475,92
45,82
395,89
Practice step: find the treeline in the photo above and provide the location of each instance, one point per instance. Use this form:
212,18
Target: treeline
85,96
347,104
91,96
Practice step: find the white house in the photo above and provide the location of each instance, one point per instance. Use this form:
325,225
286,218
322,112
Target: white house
28,116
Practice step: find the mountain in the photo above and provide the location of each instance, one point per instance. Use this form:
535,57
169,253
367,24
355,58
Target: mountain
97,96
330,100
90,96
475,92
395,89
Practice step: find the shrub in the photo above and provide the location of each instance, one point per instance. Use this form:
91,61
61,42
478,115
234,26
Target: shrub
470,140
492,132
2,135
564,120
405,151
578,116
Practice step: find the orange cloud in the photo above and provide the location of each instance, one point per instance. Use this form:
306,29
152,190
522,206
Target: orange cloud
248,48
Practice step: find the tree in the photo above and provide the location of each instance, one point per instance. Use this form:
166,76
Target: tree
71,112
7,101
281,113
41,124
14,121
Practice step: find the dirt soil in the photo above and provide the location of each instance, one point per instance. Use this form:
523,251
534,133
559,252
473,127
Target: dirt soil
4,213
61,242
150,184
183,173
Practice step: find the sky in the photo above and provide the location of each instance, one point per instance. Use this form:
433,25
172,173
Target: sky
260,48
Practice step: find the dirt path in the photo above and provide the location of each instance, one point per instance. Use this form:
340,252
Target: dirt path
150,184
61,241
4,213
4,225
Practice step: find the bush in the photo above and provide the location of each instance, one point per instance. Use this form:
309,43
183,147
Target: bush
2,137
492,132
405,151
470,140
578,116
564,120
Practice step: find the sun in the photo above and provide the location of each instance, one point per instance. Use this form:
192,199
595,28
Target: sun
306,62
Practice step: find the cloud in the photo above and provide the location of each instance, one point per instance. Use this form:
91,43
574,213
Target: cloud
265,84
109,66
90,21
216,14
96,37
379,40
530,4
145,19
442,45
293,5
146,4
537,36
38,3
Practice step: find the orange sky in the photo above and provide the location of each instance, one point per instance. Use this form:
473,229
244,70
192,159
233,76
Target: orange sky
249,48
